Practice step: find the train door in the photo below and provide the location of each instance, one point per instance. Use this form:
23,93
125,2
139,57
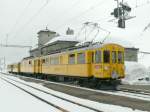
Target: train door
18,67
97,64
34,66
114,64
37,66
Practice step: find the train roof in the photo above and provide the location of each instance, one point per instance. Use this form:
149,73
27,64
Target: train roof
82,48
75,49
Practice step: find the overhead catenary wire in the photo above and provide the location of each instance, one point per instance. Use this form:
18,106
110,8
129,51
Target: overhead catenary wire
68,9
20,17
33,17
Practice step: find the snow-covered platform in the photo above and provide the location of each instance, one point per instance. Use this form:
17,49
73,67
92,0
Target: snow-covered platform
100,100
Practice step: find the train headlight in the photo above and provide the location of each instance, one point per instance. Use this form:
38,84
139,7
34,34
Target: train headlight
114,75
106,67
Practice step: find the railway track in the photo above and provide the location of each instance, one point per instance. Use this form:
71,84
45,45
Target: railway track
120,98
10,81
37,97
137,91
121,89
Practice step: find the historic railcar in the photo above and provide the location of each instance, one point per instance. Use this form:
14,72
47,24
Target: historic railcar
14,68
100,62
10,68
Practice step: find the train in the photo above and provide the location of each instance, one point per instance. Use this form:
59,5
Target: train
95,64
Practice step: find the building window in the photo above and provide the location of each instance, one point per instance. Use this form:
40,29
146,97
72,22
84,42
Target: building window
81,58
120,57
98,57
106,56
114,57
72,59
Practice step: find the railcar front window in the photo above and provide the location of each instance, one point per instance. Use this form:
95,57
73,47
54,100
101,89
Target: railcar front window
120,57
106,56
98,57
114,57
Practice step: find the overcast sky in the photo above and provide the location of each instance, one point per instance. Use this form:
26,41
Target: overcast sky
20,20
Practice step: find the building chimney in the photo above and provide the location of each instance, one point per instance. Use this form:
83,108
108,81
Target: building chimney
69,31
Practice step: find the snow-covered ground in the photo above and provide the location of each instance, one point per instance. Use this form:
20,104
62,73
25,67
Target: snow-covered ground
14,100
11,96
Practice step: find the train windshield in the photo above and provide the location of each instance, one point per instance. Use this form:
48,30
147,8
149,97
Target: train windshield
98,57
120,57
114,56
106,56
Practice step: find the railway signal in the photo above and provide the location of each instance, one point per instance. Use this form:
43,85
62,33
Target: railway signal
121,13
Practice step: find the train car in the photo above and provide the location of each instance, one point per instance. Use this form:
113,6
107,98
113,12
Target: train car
102,62
10,68
27,66
14,68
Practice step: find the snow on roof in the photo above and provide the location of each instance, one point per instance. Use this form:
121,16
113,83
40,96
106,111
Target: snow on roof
111,39
34,47
63,38
118,40
46,30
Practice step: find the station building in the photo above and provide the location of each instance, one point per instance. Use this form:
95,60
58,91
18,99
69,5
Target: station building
51,42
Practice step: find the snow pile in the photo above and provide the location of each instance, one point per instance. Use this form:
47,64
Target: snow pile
136,74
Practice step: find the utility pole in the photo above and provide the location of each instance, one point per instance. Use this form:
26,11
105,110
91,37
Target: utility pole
6,39
2,64
136,3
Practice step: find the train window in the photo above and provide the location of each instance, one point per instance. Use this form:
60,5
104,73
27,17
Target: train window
54,60
98,57
29,62
46,60
120,57
43,60
106,56
72,59
81,58
92,57
114,57
61,59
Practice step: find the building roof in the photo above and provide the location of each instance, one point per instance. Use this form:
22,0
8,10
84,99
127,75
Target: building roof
57,40
46,30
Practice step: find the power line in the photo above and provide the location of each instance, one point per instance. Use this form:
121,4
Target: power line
16,46
20,16
82,13
144,52
33,17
